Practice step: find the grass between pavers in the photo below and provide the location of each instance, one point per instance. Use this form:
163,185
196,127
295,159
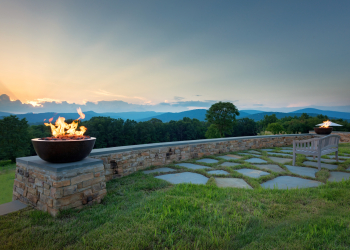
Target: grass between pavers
7,176
142,212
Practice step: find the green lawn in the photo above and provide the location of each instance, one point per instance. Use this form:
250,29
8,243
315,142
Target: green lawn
7,175
141,212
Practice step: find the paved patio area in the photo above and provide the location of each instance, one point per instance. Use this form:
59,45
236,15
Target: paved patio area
266,160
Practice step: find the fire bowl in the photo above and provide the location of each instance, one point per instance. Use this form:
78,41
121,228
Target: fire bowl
323,131
63,151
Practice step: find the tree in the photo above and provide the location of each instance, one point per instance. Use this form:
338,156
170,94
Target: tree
223,116
275,128
14,138
212,132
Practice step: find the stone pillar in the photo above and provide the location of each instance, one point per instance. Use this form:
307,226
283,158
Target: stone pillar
53,187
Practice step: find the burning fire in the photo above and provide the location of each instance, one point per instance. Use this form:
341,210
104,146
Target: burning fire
63,130
326,124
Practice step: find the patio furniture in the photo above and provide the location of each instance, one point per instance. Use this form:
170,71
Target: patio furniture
316,147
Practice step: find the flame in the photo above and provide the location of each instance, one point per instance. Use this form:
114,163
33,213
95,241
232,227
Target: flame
61,128
326,124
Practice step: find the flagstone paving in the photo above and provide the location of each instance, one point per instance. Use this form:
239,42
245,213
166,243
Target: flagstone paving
185,177
287,151
192,166
323,165
232,182
268,149
272,167
281,154
230,164
250,154
207,160
255,160
160,170
218,172
252,172
284,182
280,160
339,156
235,156
304,171
287,148
225,157
11,206
322,159
338,176
254,152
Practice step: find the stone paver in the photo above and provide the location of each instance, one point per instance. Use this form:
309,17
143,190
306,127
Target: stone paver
252,172
225,157
235,156
291,148
218,172
322,159
287,151
192,166
338,176
348,169
230,164
254,152
339,156
284,182
281,154
272,167
267,149
323,165
206,160
304,171
280,160
185,177
160,170
250,154
12,206
256,160
232,182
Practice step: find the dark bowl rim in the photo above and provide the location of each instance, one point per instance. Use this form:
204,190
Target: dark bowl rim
40,140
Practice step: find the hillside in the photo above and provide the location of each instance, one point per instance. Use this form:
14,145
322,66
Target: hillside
336,114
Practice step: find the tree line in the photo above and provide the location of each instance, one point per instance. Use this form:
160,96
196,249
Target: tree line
15,134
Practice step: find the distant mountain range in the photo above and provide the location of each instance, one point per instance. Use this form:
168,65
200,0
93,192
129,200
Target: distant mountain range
199,114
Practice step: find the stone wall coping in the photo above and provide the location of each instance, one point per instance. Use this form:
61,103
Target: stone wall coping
36,161
113,150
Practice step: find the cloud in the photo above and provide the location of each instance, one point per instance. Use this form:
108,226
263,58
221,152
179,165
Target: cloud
178,98
50,105
259,105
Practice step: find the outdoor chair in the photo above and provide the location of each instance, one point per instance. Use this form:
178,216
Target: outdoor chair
317,147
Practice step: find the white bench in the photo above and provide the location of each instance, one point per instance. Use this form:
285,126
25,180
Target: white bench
317,147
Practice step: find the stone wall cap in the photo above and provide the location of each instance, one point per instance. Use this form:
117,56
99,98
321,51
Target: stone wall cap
113,150
36,161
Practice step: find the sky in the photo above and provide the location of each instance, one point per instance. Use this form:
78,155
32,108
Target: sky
172,56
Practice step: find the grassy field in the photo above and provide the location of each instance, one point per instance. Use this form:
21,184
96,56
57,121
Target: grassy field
141,212
7,175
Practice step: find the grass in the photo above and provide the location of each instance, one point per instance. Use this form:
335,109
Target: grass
142,212
7,175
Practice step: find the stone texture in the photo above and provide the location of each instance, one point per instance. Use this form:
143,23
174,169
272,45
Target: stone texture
303,171
254,152
271,167
338,176
323,160
192,166
256,160
159,170
230,164
287,151
267,149
339,156
253,173
284,182
226,157
280,154
231,182
185,177
256,155
323,165
207,161
280,160
218,172
234,156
